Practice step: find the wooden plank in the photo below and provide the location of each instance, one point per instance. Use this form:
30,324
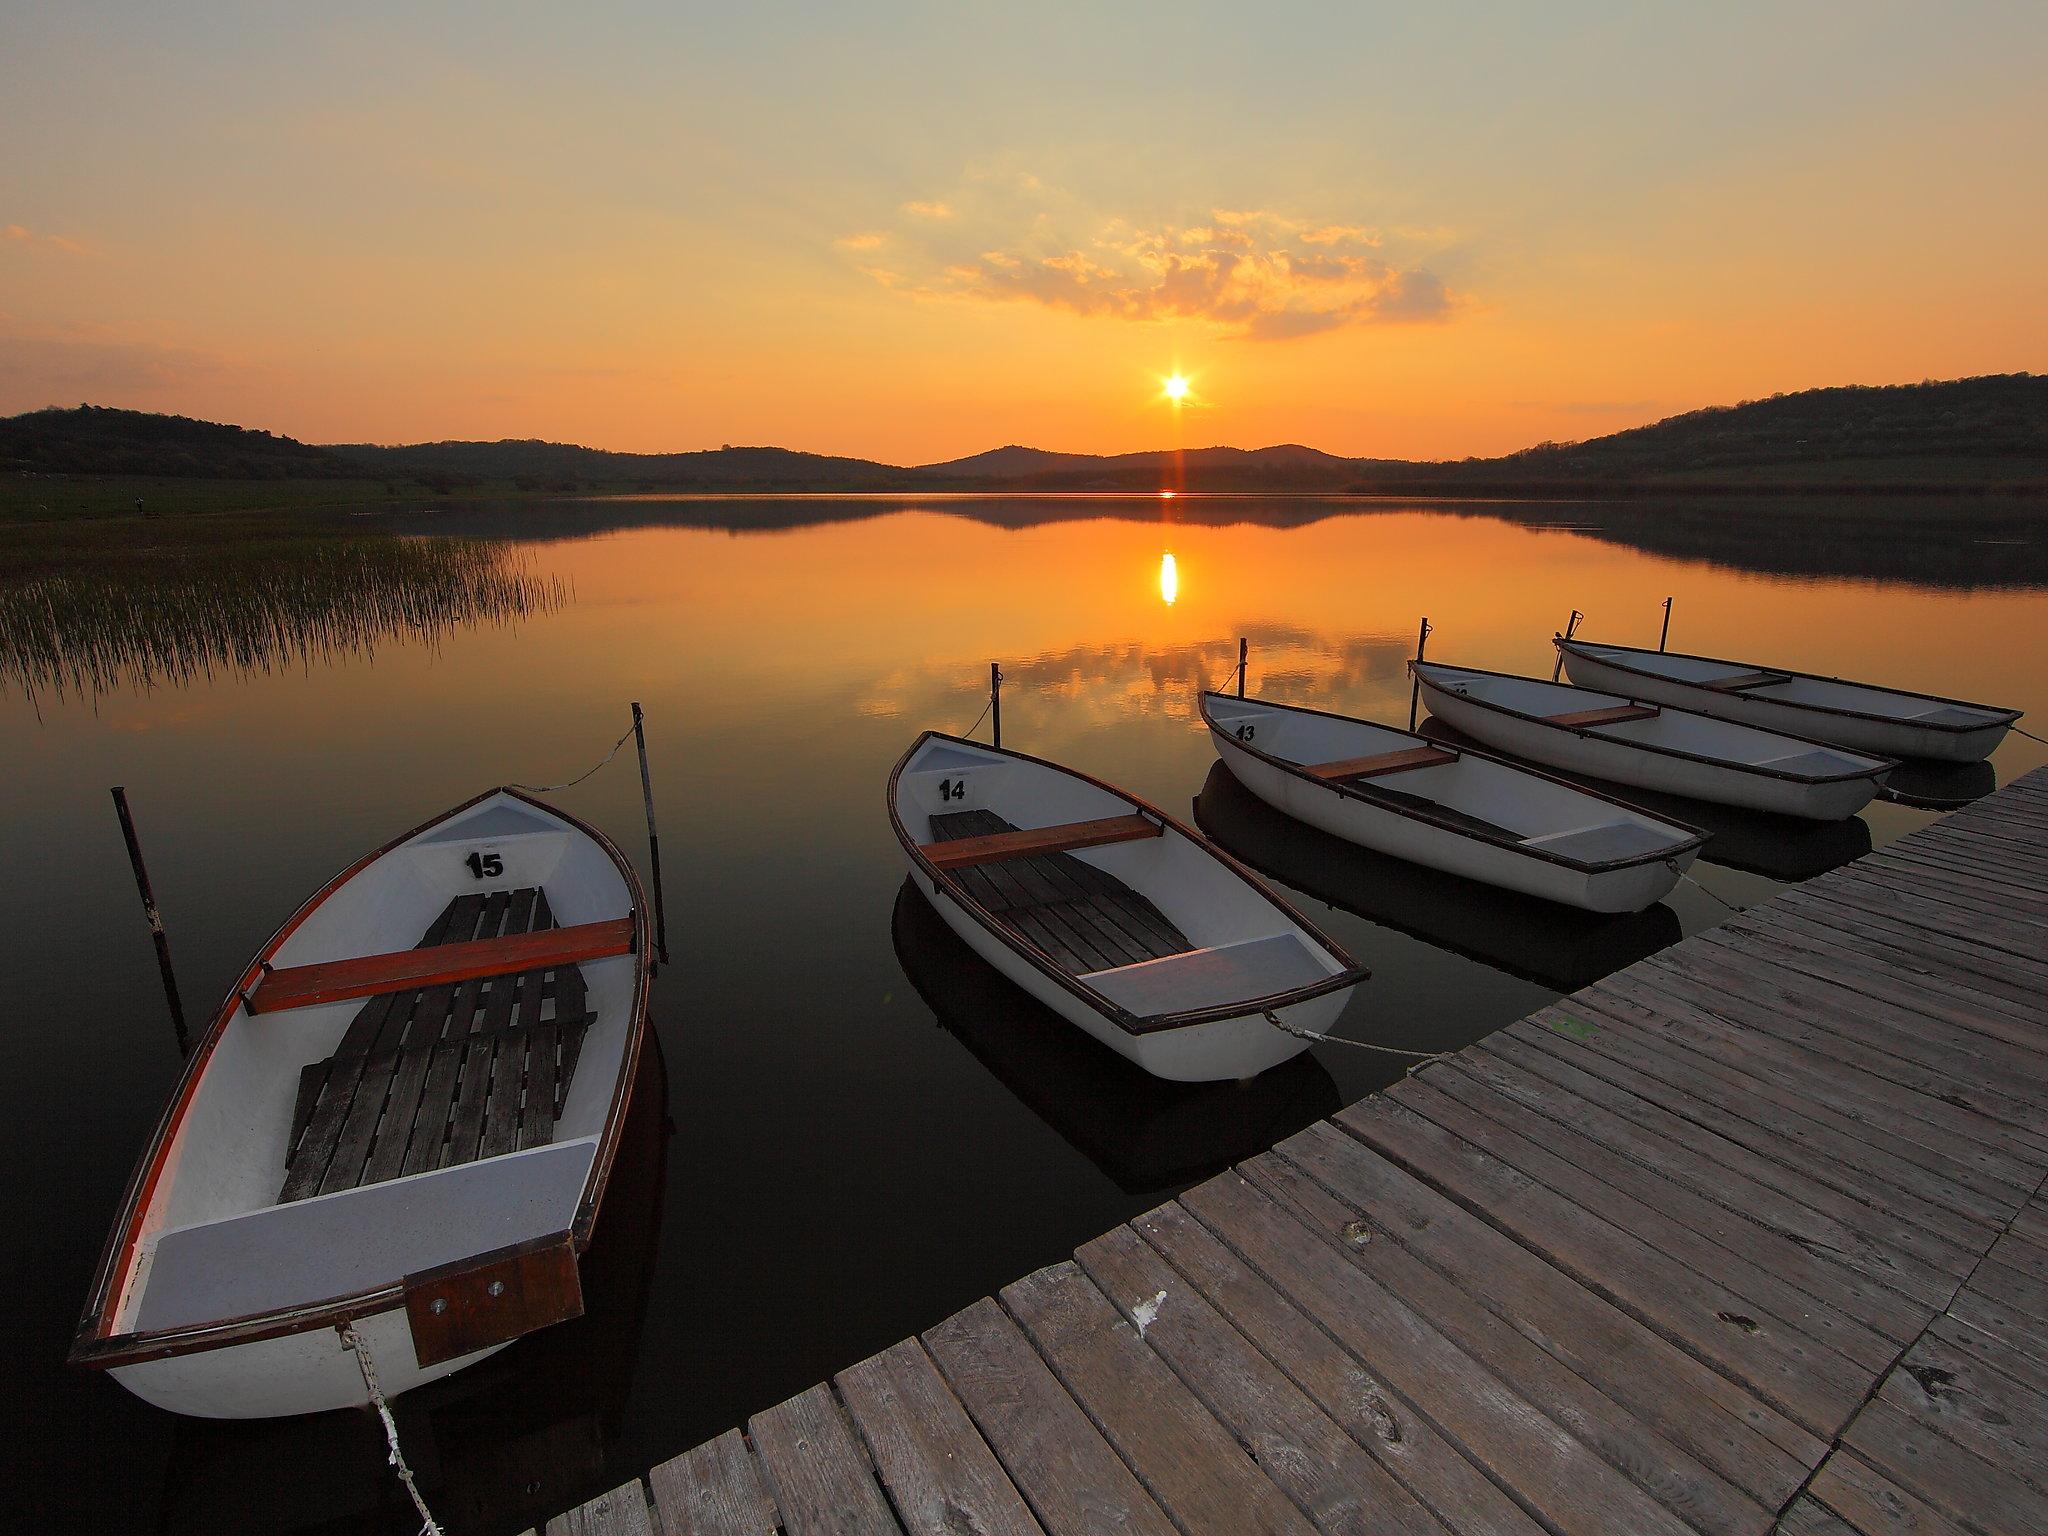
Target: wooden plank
941,1478
816,1470
435,1120
622,1512
1847,1310
1379,763
1058,1460
401,1109
1890,1250
1192,1465
1857,1492
571,1037
537,1111
1809,1517
1599,1034
962,851
1664,1407
1955,1481
1606,715
1778,1361
1425,1462
1980,1408
462,1011
302,986
315,1152
1549,1469
714,1490
352,1145
472,1095
1309,1458
508,1077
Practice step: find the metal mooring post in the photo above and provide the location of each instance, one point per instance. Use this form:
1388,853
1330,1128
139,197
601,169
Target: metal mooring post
1243,651
653,837
1666,635
995,702
156,922
1415,678
1570,626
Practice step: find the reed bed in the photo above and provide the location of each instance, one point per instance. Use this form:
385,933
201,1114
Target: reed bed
179,612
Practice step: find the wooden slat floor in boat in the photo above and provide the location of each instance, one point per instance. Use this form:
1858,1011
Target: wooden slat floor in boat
1084,917
1748,1238
438,1076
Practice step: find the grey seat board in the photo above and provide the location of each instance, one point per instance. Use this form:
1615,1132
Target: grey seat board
339,1244
1817,764
1599,845
941,757
1229,973
1950,714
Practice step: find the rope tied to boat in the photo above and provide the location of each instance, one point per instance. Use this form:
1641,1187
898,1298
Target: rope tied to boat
985,708
2017,731
548,789
1672,865
353,1342
1299,1033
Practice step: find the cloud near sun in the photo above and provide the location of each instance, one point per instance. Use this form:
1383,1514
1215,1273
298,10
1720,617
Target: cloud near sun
1252,274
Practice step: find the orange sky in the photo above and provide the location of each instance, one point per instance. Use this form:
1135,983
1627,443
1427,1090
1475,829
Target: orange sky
911,232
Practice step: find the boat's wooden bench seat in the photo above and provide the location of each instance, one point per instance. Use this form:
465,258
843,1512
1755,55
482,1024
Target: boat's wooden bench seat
1030,842
1612,714
1736,682
302,986
1082,916
463,1068
1381,763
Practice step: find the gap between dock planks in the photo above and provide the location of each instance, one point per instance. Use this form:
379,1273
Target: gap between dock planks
1749,1237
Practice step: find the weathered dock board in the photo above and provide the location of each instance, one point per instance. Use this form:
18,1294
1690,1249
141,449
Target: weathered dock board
1749,1237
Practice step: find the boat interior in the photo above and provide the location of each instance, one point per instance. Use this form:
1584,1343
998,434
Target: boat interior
1615,718
1141,916
460,1078
1797,688
1475,795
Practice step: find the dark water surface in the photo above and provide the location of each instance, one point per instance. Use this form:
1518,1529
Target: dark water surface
859,1128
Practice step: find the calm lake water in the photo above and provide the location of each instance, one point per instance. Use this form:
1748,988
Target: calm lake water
859,1128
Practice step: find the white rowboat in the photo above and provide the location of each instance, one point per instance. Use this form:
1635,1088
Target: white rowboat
1612,737
1890,721
409,1136
1448,809
1129,925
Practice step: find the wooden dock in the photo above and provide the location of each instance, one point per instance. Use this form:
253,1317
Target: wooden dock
1749,1237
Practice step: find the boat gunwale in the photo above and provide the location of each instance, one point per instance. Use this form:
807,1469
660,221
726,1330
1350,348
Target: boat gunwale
1349,974
1693,839
98,1346
2000,714
1881,765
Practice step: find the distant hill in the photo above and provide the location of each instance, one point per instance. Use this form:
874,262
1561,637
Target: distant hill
99,440
1977,434
535,465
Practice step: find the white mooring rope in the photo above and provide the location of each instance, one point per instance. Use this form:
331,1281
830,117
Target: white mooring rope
1711,895
1299,1033
544,789
353,1341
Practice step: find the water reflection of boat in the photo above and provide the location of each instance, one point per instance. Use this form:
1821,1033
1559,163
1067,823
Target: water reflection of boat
1146,1134
1938,786
498,1447
1755,842
1539,941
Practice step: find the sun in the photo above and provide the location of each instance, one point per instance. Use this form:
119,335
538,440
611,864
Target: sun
1175,388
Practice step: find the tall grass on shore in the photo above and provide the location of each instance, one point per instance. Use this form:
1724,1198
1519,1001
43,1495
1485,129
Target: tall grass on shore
111,619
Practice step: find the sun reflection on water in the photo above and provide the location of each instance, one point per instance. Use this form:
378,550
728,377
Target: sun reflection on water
1169,579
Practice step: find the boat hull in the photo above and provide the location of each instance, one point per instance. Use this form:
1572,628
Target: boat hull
1886,738
1218,1050
1618,762
309,1372
1628,889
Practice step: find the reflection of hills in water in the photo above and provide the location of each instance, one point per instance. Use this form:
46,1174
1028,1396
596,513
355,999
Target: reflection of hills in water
1145,1134
1945,543
188,613
1755,842
497,1447
1558,947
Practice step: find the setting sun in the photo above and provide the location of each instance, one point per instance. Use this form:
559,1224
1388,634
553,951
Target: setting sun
1175,388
